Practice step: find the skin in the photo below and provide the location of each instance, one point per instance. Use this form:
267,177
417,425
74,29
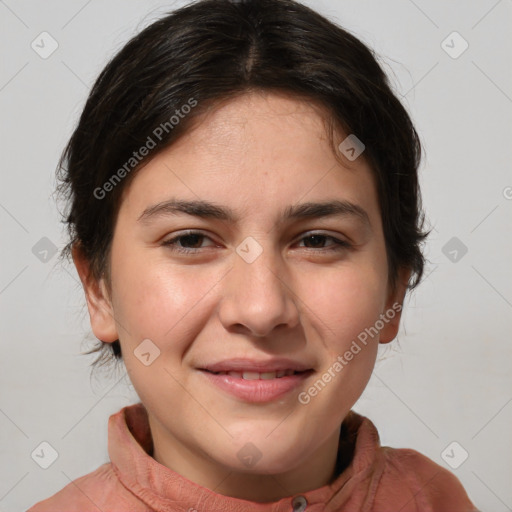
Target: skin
256,154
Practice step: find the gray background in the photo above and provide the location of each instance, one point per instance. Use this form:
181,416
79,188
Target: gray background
447,379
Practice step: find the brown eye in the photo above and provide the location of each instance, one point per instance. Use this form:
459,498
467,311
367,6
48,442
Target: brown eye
193,238
316,239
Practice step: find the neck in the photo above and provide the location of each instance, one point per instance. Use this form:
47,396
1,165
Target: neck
313,472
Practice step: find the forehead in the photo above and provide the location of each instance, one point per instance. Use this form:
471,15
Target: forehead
248,113
257,152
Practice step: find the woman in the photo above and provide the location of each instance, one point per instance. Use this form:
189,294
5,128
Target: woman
245,219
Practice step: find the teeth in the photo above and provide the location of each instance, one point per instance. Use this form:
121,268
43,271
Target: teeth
250,375
257,375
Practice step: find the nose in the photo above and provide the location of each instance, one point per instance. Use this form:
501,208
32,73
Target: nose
257,296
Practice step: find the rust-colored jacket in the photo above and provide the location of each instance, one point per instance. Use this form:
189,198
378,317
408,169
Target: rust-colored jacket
377,479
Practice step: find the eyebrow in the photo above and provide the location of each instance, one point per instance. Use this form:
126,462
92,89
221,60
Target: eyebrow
208,210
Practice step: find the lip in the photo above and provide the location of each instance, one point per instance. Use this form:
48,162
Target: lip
251,365
257,390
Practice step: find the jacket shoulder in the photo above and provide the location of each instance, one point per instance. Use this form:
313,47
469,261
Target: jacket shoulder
98,491
418,484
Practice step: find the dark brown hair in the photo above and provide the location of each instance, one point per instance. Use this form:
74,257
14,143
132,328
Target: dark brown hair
211,51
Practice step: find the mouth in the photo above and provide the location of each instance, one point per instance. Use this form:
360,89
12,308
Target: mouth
257,387
252,375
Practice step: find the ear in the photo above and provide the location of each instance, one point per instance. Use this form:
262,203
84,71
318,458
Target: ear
393,308
100,308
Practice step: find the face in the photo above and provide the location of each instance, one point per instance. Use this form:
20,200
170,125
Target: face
261,285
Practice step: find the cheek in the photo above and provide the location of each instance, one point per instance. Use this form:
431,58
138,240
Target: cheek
346,307
164,302
347,302
158,300
155,303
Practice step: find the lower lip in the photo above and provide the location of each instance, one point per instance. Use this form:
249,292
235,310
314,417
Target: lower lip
257,390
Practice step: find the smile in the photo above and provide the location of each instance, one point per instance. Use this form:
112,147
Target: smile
256,387
248,375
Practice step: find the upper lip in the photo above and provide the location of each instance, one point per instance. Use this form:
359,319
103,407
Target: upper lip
252,365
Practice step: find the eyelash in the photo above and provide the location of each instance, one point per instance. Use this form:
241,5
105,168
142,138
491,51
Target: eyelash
339,245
